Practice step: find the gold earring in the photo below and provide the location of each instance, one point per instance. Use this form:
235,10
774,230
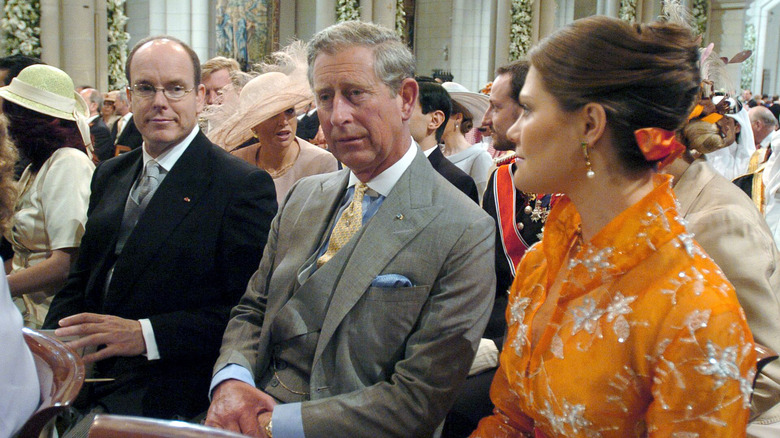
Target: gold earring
590,173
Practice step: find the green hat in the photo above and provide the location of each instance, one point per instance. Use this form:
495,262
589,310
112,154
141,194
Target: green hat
49,90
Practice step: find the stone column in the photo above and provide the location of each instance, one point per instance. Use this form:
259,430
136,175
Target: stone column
326,14
50,32
383,12
547,17
503,27
610,8
366,10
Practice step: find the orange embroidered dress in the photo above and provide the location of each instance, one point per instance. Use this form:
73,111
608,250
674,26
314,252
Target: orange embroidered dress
647,338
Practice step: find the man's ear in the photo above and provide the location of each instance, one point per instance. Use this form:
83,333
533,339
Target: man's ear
593,121
201,96
408,97
437,118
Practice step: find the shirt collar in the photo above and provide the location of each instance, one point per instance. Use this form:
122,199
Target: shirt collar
385,181
167,159
93,118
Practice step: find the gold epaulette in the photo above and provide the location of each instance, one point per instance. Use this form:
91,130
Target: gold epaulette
504,159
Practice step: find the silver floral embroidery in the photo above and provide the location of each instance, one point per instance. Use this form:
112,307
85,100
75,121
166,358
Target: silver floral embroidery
687,242
620,305
571,421
556,346
697,319
517,313
586,316
517,317
594,261
721,363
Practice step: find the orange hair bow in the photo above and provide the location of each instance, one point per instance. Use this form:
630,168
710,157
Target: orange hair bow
658,144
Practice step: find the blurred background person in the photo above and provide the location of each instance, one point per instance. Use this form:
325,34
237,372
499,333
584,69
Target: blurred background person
734,233
215,74
108,111
473,159
47,120
267,110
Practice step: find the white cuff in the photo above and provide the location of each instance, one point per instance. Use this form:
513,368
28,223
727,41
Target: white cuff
151,345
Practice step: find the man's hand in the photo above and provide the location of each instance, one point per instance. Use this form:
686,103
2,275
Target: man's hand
121,337
237,406
264,419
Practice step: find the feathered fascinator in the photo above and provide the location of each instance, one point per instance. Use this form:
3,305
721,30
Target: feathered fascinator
281,85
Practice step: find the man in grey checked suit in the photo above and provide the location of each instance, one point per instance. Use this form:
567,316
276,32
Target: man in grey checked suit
377,340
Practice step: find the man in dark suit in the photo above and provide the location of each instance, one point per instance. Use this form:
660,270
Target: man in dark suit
429,118
377,280
124,130
104,147
175,230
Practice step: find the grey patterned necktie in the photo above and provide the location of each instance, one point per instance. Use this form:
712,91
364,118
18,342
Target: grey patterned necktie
147,185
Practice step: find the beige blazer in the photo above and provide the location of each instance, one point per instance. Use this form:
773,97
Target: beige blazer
388,360
728,226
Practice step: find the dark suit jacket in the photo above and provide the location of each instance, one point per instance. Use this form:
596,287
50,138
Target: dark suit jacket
453,174
104,146
130,135
185,265
308,126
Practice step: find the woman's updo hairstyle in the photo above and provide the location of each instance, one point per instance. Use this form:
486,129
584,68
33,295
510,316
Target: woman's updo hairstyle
468,120
644,75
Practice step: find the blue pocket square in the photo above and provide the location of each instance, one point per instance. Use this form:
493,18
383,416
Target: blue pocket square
391,280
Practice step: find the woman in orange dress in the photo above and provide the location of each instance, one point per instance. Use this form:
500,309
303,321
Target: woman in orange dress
619,324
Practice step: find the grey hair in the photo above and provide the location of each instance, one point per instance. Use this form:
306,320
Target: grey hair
393,62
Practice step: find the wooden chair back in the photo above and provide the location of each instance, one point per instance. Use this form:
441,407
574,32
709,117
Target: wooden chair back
60,374
119,426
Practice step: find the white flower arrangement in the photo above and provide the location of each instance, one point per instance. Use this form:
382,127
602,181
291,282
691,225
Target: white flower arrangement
520,30
746,82
347,10
117,43
628,10
20,27
400,19
699,11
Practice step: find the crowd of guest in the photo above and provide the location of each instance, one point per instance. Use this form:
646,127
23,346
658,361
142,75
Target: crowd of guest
326,245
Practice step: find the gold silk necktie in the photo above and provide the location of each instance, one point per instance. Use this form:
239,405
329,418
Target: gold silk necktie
348,224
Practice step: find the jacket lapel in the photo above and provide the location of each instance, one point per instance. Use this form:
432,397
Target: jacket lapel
406,211
179,192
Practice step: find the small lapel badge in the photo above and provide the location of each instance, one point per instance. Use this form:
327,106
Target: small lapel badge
186,199
399,216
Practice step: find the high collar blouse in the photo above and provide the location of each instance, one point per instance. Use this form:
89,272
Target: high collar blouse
647,337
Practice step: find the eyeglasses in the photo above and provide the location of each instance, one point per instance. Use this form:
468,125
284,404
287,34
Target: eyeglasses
171,92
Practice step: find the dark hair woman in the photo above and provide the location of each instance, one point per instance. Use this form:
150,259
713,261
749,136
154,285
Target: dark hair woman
619,323
48,124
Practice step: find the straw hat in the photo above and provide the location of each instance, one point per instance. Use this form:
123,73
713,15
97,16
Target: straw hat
283,85
49,90
476,103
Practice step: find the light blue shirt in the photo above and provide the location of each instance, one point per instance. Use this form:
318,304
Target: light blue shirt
286,418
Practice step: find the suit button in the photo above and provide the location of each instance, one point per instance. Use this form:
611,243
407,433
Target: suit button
280,365
274,382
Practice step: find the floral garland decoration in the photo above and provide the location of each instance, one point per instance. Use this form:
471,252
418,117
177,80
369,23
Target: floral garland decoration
347,10
21,27
400,19
628,10
699,11
117,43
520,31
746,82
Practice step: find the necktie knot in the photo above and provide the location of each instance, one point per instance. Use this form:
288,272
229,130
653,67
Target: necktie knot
348,224
149,181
